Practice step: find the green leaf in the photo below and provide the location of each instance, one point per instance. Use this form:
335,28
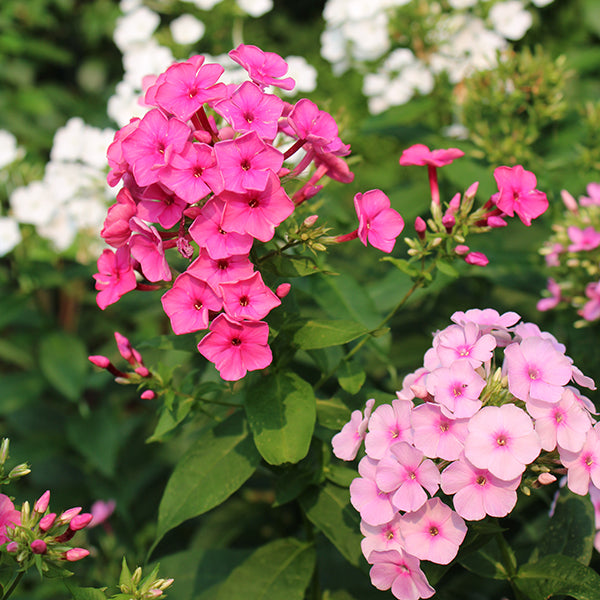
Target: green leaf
332,413
63,360
329,509
446,268
487,561
322,334
170,418
86,593
292,266
403,265
351,376
571,530
558,574
591,15
281,569
281,413
208,473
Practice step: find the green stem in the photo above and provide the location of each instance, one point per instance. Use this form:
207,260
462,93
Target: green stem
13,585
510,567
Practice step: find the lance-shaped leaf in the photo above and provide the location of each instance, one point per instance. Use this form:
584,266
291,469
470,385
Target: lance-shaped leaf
208,473
281,569
322,334
281,411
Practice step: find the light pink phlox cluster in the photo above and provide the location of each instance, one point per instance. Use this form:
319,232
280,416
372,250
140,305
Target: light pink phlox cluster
202,176
463,424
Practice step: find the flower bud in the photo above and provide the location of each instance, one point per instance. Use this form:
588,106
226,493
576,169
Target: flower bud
47,521
461,249
19,471
148,395
99,361
153,593
477,258
420,227
496,222
546,478
472,190
283,290
38,547
42,503
453,205
436,242
448,221
67,515
12,547
136,576
75,554
310,220
80,521
4,450
142,371
569,201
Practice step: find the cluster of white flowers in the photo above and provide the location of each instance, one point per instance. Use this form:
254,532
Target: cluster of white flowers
456,42
73,195
10,235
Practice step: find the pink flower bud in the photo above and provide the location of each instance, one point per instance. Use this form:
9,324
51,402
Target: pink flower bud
477,258
42,502
546,478
39,547
75,554
142,371
12,547
495,222
124,346
283,290
569,201
420,227
67,515
454,204
99,361
311,220
472,190
448,221
155,593
101,510
80,521
47,521
148,395
461,249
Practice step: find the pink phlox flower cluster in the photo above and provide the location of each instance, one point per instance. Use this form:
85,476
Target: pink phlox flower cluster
582,239
203,176
555,296
591,309
491,409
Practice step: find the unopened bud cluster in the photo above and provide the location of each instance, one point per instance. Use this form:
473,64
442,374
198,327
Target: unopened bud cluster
136,588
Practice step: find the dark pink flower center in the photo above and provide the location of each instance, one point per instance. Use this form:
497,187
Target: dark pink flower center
481,480
501,440
236,341
253,203
244,301
198,171
222,264
533,373
198,305
444,426
245,165
433,531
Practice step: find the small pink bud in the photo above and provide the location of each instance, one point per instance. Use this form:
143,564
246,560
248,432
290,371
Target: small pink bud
142,371
495,222
155,593
420,227
477,258
101,511
99,361
310,220
546,478
472,190
47,521
137,356
454,204
80,521
76,554
448,221
148,395
420,391
283,290
461,249
569,201
67,515
124,346
42,502
12,547
39,547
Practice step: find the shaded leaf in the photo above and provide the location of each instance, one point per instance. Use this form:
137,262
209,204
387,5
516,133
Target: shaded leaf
351,376
332,413
322,334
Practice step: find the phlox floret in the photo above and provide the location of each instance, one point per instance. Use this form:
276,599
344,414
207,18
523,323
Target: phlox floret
347,442
436,434
379,225
583,467
381,537
388,425
374,505
115,276
464,343
248,298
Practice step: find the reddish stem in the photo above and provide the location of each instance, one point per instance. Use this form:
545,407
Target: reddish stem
433,184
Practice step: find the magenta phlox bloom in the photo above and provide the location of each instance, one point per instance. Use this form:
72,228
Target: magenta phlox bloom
158,205
502,440
583,239
517,193
564,423
116,230
347,442
591,309
251,109
314,126
216,271
404,471
456,388
379,225
264,68
117,163
9,516
257,212
401,572
434,532
115,276
185,87
489,321
535,369
437,435
583,467
236,347
380,538
246,162
477,492
146,247
248,298
150,147
388,425
188,303
207,231
555,296
374,505
421,155
464,343
593,197
193,173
